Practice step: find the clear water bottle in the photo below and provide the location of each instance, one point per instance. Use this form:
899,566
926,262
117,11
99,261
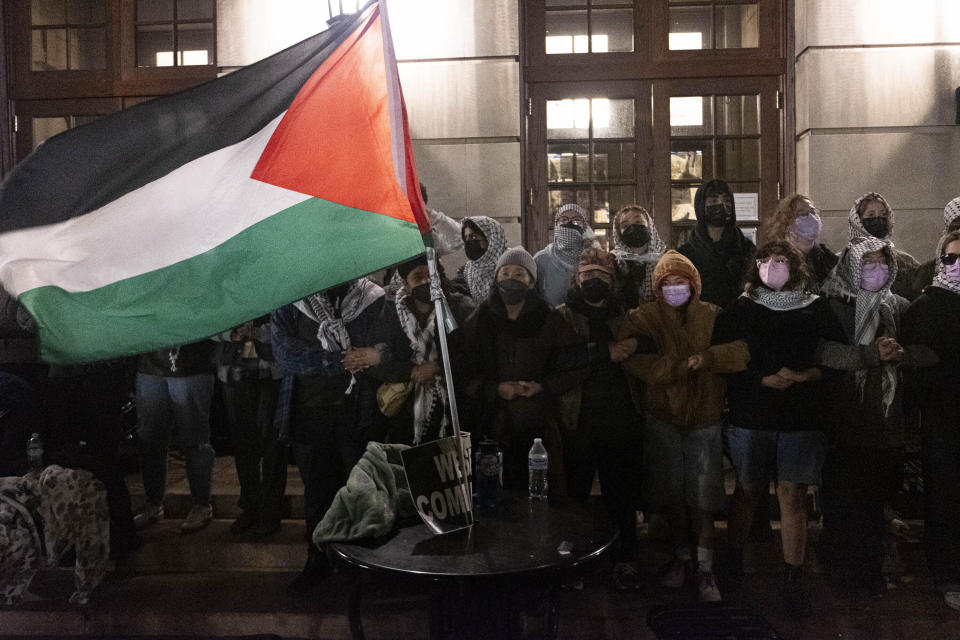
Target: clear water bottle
35,453
537,466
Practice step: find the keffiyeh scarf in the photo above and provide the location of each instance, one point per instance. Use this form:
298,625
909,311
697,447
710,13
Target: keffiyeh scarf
855,227
431,396
649,257
940,279
780,300
874,309
332,331
479,273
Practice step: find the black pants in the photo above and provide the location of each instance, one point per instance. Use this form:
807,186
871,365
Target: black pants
609,443
325,459
260,459
82,414
857,482
941,488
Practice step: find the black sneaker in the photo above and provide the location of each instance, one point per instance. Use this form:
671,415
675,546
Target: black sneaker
796,599
309,579
242,524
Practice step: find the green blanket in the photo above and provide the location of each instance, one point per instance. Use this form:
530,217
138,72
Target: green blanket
376,493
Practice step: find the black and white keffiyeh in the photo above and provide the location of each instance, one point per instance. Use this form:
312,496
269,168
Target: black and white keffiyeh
568,243
431,396
783,300
332,329
874,309
479,273
648,255
951,212
940,279
855,228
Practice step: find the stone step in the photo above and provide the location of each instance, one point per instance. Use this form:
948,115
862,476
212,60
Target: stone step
166,550
216,603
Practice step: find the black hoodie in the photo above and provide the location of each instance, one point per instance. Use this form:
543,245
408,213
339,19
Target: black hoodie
721,264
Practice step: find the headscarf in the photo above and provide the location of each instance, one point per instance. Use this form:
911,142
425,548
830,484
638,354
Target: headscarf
940,279
480,273
568,243
874,309
431,396
951,212
855,224
649,257
674,263
332,332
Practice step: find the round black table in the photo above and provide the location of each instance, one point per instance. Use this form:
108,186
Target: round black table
479,576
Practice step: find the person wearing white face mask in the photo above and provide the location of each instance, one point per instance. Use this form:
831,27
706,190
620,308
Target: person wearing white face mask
683,401
775,407
796,220
864,467
934,320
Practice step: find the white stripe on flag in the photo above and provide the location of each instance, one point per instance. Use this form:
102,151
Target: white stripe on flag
187,212
397,145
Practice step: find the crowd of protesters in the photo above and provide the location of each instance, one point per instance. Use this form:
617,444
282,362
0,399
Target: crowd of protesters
638,365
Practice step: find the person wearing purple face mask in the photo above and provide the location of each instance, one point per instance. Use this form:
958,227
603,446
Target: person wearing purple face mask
683,401
796,220
775,411
934,320
864,466
871,216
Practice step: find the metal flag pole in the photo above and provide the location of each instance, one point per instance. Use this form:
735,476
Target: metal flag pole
446,323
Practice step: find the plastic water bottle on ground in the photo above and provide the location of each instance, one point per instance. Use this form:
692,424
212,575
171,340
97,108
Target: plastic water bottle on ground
35,453
537,466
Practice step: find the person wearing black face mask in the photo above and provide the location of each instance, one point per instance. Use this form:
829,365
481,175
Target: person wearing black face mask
636,247
407,329
717,248
872,216
484,241
524,358
601,422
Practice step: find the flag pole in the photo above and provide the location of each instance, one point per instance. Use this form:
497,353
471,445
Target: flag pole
445,322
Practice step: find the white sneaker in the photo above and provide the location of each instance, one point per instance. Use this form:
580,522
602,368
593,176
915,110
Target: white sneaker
707,587
952,598
148,515
200,516
675,576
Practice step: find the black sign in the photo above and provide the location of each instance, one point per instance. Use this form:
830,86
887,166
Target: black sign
439,481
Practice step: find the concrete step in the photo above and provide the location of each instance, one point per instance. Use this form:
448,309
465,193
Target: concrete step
166,550
216,603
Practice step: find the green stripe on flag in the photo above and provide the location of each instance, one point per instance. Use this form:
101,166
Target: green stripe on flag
302,249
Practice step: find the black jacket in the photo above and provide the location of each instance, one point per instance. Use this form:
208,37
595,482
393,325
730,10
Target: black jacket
777,339
721,264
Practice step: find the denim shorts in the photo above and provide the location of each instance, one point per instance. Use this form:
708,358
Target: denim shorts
682,466
791,456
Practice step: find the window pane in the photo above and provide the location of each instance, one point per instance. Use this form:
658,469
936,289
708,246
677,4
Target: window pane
681,203
690,116
612,118
88,49
154,11
613,161
738,115
566,3
738,160
612,30
195,42
557,197
48,50
568,118
568,162
686,163
690,28
155,46
567,32
47,12
609,200
44,128
86,12
738,27
194,9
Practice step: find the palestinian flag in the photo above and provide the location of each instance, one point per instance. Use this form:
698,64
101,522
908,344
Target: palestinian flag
186,215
